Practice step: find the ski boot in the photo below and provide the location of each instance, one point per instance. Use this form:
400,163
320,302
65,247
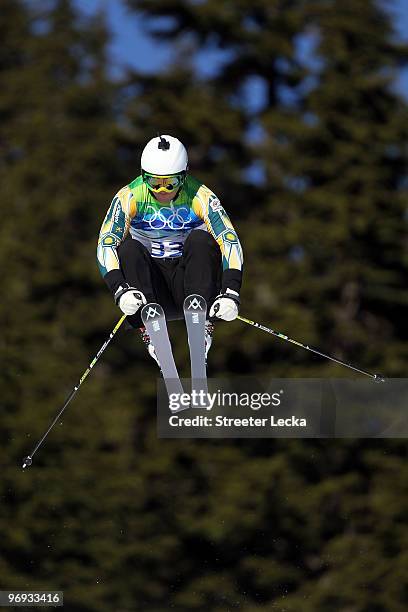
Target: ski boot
208,336
146,341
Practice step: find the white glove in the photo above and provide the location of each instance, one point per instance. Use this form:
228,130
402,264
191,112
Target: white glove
129,299
225,307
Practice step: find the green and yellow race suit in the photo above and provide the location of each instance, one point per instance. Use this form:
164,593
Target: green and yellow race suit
163,228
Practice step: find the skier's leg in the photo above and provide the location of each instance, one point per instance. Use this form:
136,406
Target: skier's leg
200,267
199,271
140,271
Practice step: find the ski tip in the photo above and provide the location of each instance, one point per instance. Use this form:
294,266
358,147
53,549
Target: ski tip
379,378
27,461
151,311
194,302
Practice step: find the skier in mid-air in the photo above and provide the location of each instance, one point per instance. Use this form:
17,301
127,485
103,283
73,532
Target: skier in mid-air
168,245
166,236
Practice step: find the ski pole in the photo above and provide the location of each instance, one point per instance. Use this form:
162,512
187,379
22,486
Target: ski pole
376,377
27,461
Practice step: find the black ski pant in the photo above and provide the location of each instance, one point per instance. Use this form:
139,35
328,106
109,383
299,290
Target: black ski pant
168,281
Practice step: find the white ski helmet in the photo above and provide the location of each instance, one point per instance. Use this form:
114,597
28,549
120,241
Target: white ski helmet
164,155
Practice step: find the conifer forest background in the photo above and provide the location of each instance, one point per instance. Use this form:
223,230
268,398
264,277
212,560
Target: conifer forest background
302,134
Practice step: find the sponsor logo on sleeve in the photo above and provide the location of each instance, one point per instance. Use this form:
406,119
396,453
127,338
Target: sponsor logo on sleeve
215,204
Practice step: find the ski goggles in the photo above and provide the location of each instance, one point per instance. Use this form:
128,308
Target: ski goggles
163,183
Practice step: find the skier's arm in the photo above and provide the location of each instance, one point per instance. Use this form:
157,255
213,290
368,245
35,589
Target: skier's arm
114,230
208,207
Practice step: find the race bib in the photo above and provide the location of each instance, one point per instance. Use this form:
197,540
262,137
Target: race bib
167,248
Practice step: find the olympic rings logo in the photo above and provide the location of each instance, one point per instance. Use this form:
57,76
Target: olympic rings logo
172,218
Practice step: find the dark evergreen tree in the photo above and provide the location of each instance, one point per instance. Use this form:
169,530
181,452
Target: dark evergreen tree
63,157
341,157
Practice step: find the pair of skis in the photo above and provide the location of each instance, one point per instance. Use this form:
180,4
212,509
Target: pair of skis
195,314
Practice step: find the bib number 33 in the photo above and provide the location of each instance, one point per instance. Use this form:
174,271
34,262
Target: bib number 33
167,248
